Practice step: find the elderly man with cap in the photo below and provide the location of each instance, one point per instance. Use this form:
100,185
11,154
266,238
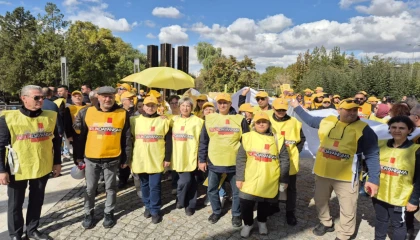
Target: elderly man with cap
121,90
343,141
219,144
308,98
290,130
105,140
365,108
28,134
151,154
69,119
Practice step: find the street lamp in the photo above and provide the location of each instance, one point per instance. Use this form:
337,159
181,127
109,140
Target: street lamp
64,72
136,70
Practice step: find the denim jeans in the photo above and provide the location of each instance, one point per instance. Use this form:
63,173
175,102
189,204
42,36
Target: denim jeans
151,189
213,192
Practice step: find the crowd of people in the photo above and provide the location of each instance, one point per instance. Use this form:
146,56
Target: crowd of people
115,133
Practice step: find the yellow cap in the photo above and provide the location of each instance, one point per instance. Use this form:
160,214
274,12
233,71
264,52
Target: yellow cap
126,86
208,104
319,89
336,96
326,100
260,115
154,93
307,90
202,97
262,94
362,92
223,96
150,99
246,107
348,103
118,85
76,92
127,95
280,103
373,99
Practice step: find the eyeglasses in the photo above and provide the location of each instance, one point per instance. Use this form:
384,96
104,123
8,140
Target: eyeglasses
260,98
221,103
280,110
201,100
122,89
36,98
342,134
326,102
359,99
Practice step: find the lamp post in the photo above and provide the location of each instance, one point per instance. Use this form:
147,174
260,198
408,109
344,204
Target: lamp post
64,71
136,70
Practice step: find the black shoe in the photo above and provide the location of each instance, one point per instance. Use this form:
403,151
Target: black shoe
147,214
156,219
236,221
189,211
179,206
214,218
109,220
88,221
320,229
290,218
36,235
410,234
122,184
16,238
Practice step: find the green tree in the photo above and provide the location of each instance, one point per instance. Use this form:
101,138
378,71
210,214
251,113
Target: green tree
207,54
18,51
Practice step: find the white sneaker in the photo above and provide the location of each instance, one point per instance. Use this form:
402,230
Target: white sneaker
207,202
222,201
246,231
262,228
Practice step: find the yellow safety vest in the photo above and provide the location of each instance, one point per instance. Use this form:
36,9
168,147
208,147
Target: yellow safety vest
290,131
185,141
225,134
104,133
365,110
31,139
59,101
375,118
397,173
74,110
262,169
149,144
198,113
338,146
307,101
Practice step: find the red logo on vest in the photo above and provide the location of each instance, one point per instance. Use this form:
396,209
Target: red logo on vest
104,128
38,136
283,133
336,143
227,122
183,128
392,160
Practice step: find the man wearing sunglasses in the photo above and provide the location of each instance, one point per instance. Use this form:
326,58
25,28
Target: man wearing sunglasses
219,143
289,129
365,108
262,100
343,141
30,132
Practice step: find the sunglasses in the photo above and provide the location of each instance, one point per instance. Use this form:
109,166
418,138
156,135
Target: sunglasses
201,100
281,110
260,98
326,102
359,99
122,89
36,98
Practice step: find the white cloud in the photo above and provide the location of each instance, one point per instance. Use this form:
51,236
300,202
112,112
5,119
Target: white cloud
279,45
383,7
98,15
169,12
348,3
275,23
70,3
151,36
5,3
173,34
141,46
149,23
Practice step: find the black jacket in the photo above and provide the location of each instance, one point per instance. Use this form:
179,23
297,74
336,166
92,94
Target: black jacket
126,140
5,139
50,105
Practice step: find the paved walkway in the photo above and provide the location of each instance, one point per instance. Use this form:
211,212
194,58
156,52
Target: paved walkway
63,220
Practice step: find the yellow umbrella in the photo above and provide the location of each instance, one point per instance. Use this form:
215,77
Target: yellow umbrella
162,77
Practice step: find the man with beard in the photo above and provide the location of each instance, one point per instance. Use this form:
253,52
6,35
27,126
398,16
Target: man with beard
365,108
